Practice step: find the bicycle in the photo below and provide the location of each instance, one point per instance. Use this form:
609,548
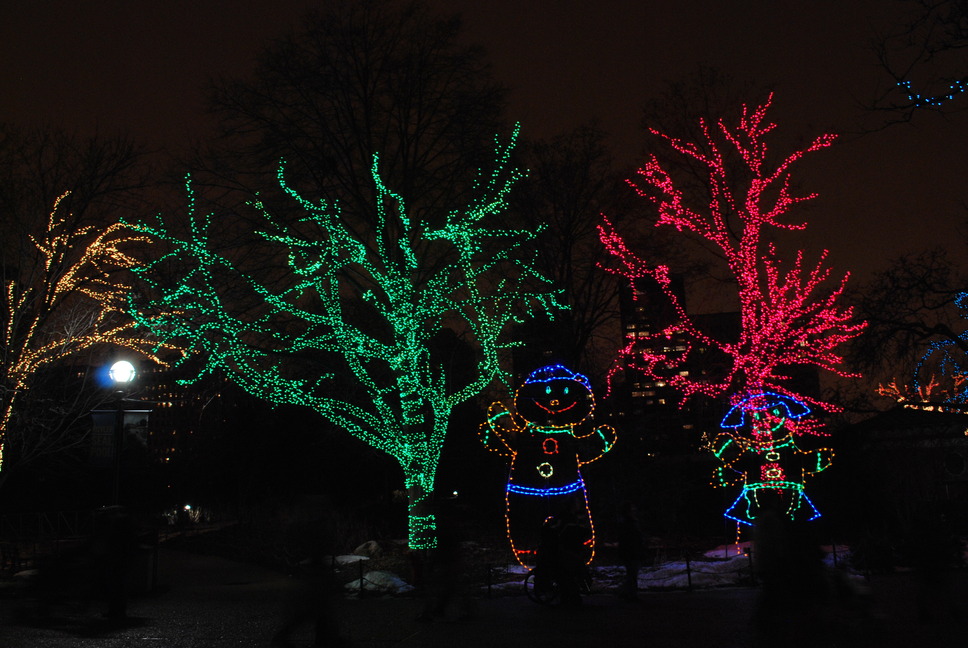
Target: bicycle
547,590
540,590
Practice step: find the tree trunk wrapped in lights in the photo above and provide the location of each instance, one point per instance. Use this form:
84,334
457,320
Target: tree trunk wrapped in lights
367,303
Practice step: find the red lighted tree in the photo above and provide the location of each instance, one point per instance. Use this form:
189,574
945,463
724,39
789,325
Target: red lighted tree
789,310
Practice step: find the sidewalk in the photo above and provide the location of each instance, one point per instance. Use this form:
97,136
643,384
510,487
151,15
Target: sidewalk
209,602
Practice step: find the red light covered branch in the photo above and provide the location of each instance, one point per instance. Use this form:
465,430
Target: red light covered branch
789,311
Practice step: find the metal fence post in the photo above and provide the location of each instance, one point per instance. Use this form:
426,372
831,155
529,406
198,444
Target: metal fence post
749,555
688,574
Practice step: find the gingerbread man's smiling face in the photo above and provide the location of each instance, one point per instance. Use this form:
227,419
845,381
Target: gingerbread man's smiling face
555,398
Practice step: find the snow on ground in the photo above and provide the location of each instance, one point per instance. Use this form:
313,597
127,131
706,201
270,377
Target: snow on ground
724,566
347,559
712,572
719,572
379,581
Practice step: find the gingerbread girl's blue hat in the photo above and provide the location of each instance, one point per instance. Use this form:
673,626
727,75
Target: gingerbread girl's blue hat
736,416
557,372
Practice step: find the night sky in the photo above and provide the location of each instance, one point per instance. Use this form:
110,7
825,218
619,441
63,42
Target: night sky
140,67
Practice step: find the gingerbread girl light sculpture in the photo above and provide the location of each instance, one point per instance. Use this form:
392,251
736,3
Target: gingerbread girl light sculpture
761,455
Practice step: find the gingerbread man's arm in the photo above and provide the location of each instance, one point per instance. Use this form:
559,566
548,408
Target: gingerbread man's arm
499,431
820,460
727,449
596,444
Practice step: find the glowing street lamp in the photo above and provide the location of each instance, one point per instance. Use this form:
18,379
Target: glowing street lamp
122,372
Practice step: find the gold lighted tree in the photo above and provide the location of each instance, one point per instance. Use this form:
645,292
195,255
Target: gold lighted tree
65,297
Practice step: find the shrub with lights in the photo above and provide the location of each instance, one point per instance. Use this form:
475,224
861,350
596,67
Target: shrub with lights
365,302
547,438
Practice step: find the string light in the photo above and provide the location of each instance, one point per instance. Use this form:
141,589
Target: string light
745,508
79,283
761,401
547,439
769,452
546,492
918,100
789,313
928,396
422,531
488,282
951,363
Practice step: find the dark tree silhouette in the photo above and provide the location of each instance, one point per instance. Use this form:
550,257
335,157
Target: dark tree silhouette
924,59
361,76
571,181
910,308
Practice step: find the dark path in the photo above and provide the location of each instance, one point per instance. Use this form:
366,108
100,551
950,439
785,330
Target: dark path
210,602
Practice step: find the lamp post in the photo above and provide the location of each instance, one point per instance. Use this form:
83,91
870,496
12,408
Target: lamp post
115,422
122,372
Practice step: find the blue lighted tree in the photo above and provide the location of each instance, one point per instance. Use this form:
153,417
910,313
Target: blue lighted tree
949,356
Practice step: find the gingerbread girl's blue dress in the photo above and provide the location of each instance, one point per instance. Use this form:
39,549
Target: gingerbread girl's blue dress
547,438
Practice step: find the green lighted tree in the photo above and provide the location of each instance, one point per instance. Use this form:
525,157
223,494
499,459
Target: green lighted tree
371,304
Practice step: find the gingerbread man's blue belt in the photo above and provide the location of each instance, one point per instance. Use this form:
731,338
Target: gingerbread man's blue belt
546,492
